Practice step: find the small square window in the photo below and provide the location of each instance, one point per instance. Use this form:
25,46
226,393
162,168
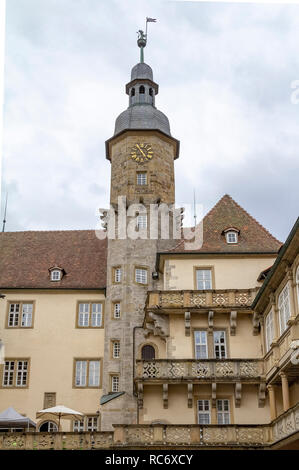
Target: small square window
56,275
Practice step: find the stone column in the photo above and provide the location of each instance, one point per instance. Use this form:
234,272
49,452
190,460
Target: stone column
273,411
285,391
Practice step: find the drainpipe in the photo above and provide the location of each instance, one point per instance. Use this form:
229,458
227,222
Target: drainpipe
135,394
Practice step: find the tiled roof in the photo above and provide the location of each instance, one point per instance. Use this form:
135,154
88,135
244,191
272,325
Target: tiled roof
26,257
253,237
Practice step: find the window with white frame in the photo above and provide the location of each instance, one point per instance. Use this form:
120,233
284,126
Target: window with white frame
115,383
48,426
204,412
219,344
90,315
92,423
269,329
203,279
141,221
201,345
115,349
231,237
142,178
56,275
15,373
141,275
78,426
284,308
87,373
117,274
20,315
223,412
116,310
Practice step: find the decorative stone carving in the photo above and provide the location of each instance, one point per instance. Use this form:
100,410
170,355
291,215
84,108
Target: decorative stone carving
14,442
224,369
198,300
243,299
150,370
165,395
233,322
262,395
200,369
238,394
215,435
160,325
190,395
249,369
172,299
177,369
220,298
140,435
248,435
210,322
214,387
178,435
187,323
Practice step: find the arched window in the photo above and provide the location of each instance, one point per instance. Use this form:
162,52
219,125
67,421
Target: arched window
284,308
148,353
150,92
141,90
48,426
133,92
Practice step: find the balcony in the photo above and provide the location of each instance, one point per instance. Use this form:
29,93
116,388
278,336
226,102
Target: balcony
201,299
199,371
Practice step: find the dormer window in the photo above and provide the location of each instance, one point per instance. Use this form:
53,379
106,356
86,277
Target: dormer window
231,235
56,274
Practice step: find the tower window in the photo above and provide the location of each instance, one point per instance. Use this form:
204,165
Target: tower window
141,90
141,221
133,92
150,92
142,178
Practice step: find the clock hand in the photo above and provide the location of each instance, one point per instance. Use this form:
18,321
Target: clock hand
141,150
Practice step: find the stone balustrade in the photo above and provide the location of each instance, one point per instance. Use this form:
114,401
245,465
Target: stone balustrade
170,436
192,299
204,369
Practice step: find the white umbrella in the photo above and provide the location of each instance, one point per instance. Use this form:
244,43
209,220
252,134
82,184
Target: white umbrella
59,411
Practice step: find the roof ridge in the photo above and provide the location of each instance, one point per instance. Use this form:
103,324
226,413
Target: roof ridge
252,218
53,231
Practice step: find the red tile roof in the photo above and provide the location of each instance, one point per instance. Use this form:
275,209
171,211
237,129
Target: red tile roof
26,257
253,237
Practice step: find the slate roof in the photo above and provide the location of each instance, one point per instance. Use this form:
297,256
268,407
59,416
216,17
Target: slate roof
26,257
253,237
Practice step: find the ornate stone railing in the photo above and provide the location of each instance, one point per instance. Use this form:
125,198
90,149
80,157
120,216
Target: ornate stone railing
56,441
190,299
286,424
192,435
192,369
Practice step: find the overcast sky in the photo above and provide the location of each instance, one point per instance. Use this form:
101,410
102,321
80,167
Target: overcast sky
225,73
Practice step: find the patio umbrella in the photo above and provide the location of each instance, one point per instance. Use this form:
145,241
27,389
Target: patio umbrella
59,412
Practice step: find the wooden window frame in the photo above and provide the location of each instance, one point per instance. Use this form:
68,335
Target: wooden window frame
225,344
269,325
112,348
208,413
14,386
90,302
88,360
195,330
21,303
112,375
288,287
227,412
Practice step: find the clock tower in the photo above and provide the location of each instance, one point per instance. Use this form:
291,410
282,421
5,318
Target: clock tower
142,153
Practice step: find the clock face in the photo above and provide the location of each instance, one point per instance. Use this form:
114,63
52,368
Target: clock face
142,153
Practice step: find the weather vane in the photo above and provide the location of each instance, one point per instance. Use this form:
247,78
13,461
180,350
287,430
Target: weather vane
142,37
